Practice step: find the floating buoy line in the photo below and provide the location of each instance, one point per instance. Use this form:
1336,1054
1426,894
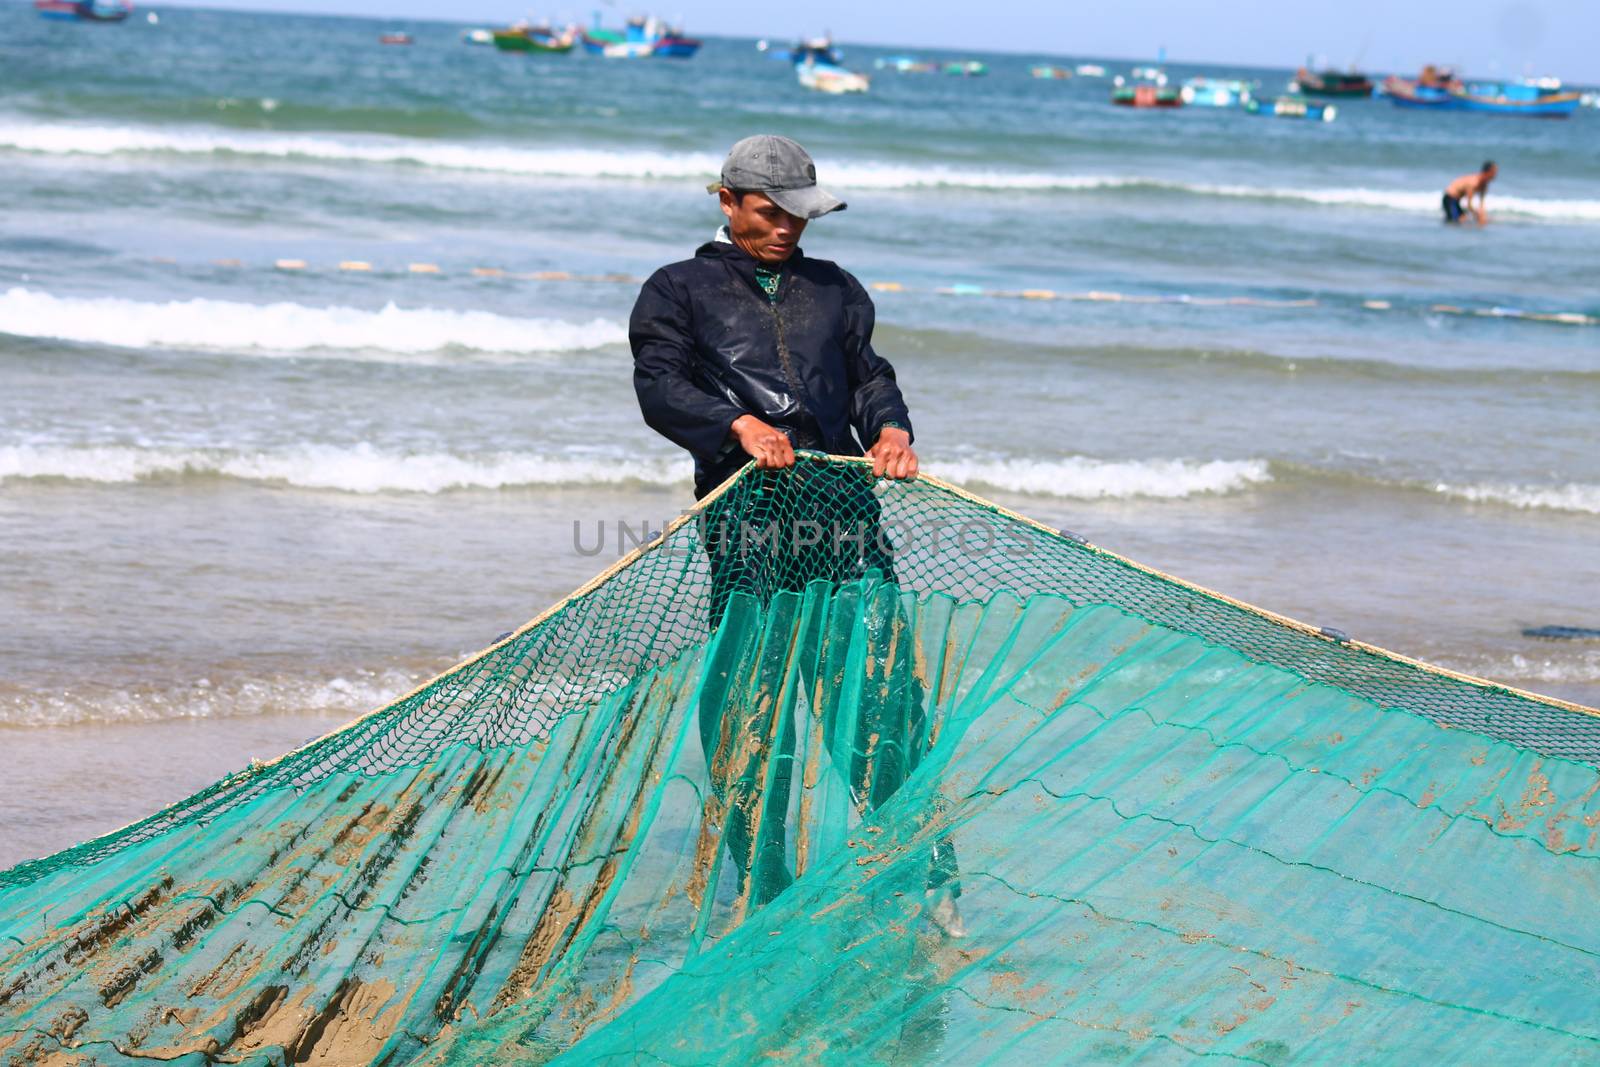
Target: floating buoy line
1093,296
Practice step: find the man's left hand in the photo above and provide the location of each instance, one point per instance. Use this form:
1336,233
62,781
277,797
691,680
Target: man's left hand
892,456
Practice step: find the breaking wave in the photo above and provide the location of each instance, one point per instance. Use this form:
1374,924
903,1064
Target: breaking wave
585,163
290,328
202,698
1081,478
354,469
365,468
1574,496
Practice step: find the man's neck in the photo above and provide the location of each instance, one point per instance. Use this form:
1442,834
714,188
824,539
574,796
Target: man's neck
725,236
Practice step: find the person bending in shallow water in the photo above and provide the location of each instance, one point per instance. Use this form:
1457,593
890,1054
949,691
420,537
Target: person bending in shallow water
1458,195
750,350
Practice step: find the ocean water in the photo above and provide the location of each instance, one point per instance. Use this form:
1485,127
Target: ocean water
241,503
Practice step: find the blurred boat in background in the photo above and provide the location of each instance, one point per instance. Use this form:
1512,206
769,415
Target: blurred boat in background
823,76
640,38
1293,107
675,45
1216,92
1050,73
905,64
819,65
84,10
1430,89
1516,98
1441,89
1331,83
1146,95
525,38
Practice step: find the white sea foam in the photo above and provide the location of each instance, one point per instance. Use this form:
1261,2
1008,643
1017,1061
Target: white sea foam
1574,496
53,139
76,139
1398,200
1560,662
290,328
1081,478
363,468
202,698
355,469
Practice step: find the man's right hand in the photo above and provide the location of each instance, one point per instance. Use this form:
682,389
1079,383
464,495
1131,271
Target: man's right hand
769,447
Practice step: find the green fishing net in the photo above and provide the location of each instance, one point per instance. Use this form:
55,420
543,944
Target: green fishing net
845,771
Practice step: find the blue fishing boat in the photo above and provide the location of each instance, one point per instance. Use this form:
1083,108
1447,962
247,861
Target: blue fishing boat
642,37
1433,88
1516,98
819,66
1293,107
674,45
1216,92
1405,93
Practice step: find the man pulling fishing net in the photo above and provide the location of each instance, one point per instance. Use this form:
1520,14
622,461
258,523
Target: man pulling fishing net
751,350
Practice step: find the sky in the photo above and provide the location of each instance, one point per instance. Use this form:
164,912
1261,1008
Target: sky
1482,37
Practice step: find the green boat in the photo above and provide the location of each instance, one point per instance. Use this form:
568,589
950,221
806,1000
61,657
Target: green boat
533,39
1147,96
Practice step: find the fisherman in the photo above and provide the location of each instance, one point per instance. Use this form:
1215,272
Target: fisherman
1459,193
751,350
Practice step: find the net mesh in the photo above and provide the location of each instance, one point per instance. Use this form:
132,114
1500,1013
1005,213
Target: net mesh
842,769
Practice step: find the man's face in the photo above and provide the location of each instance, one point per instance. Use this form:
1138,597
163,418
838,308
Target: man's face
760,227
1489,175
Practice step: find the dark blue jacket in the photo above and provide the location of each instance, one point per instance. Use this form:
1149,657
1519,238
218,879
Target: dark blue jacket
709,346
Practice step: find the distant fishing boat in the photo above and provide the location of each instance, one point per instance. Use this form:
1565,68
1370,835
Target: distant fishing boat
905,64
84,10
1439,88
1404,92
642,37
1516,98
1146,96
819,66
966,68
478,37
537,39
1050,73
1216,92
1293,107
824,77
1090,70
676,46
394,38
1331,83
1430,89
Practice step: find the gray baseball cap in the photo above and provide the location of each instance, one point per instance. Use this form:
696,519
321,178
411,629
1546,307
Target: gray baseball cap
779,169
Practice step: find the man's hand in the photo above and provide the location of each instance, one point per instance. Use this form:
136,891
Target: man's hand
892,456
770,448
